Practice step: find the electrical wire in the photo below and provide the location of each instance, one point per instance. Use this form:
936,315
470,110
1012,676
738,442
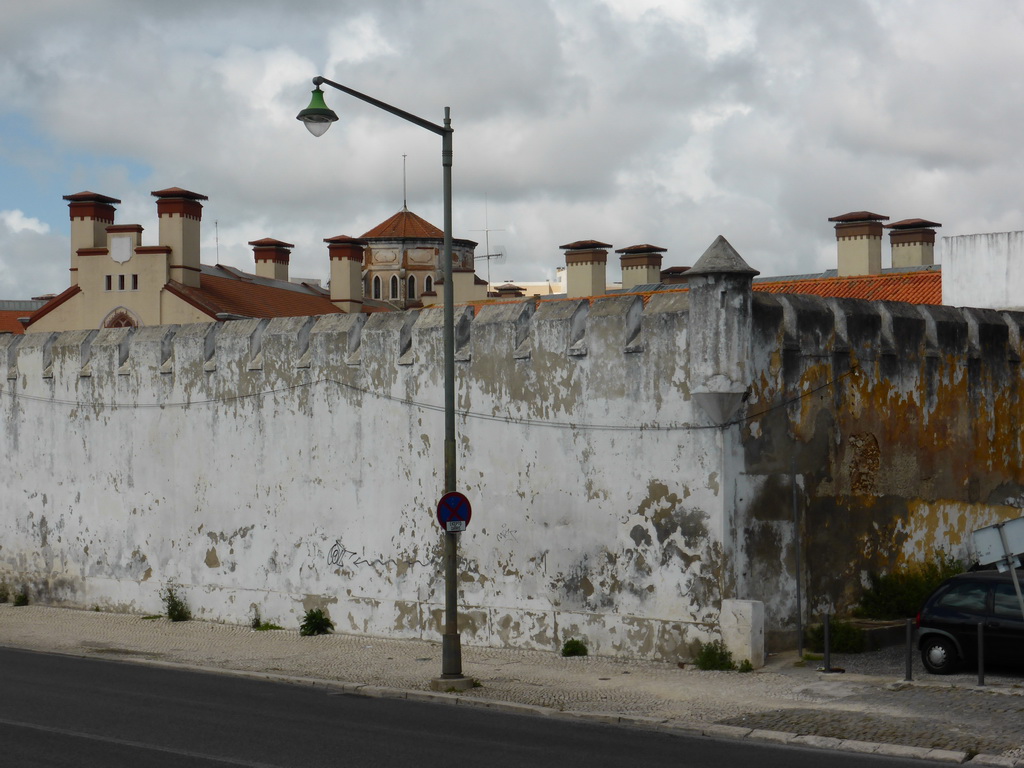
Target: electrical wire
508,419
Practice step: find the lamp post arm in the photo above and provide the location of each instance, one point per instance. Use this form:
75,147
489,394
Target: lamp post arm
433,127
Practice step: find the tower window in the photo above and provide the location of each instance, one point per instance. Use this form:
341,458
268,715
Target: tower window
412,287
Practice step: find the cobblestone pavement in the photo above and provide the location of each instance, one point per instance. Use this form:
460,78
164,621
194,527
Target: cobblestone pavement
869,707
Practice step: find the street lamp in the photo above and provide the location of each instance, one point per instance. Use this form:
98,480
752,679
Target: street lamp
318,118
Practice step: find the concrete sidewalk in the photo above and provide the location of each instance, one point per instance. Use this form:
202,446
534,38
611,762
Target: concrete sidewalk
868,709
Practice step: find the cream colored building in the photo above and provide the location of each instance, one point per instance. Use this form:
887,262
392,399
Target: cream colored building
117,281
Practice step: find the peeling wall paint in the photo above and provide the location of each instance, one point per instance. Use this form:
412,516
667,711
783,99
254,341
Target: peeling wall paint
899,425
296,463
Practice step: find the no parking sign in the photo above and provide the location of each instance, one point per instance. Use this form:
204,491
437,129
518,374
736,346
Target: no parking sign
454,512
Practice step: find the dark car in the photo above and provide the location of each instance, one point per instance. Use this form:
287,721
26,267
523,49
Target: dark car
947,624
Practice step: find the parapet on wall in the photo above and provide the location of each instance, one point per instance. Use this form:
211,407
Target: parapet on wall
295,463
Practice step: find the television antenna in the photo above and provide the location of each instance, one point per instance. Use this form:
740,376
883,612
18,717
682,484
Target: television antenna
498,256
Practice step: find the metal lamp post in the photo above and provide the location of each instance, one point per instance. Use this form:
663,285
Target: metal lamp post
318,118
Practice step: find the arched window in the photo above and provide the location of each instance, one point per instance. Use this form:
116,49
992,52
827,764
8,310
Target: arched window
428,284
376,286
412,288
120,318
394,287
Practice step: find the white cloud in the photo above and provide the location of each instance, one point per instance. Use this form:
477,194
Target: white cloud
17,221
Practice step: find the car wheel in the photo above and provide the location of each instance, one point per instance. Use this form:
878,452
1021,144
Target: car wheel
939,655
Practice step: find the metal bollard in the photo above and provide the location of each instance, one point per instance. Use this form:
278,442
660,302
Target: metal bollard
981,653
828,642
910,651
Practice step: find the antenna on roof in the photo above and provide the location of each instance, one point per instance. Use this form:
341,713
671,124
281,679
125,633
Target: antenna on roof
499,256
216,238
405,198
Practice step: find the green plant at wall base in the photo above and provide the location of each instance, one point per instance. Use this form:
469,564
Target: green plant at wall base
316,622
21,598
175,606
843,637
5,592
714,656
746,666
574,647
900,594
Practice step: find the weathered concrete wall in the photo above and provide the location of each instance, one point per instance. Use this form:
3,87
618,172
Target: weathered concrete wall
295,463
899,425
984,270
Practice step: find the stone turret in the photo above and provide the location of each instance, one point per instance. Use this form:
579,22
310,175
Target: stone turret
720,329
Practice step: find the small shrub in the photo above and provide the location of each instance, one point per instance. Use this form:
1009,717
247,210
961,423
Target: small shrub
316,622
843,637
574,647
899,595
21,598
258,624
714,656
5,592
746,666
176,607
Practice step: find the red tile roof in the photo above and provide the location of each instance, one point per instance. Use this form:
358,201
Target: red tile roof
919,287
9,320
406,224
232,292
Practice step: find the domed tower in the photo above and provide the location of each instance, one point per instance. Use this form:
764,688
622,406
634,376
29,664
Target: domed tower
401,261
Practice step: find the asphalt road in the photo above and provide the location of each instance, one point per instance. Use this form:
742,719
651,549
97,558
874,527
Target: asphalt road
66,711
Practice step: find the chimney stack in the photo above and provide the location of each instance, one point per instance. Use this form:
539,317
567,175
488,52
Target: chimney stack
271,258
180,213
585,264
641,265
91,214
859,238
346,255
912,242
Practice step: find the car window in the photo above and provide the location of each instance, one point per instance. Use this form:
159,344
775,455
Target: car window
965,597
1006,603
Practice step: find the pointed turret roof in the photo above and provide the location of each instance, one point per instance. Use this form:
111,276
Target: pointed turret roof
721,258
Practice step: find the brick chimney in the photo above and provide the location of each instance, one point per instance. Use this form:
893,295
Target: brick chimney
180,213
271,258
641,265
346,255
912,242
91,214
859,238
586,262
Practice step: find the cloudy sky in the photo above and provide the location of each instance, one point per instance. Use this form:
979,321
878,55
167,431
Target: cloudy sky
628,121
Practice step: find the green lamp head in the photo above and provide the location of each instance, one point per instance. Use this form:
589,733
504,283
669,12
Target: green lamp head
317,116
